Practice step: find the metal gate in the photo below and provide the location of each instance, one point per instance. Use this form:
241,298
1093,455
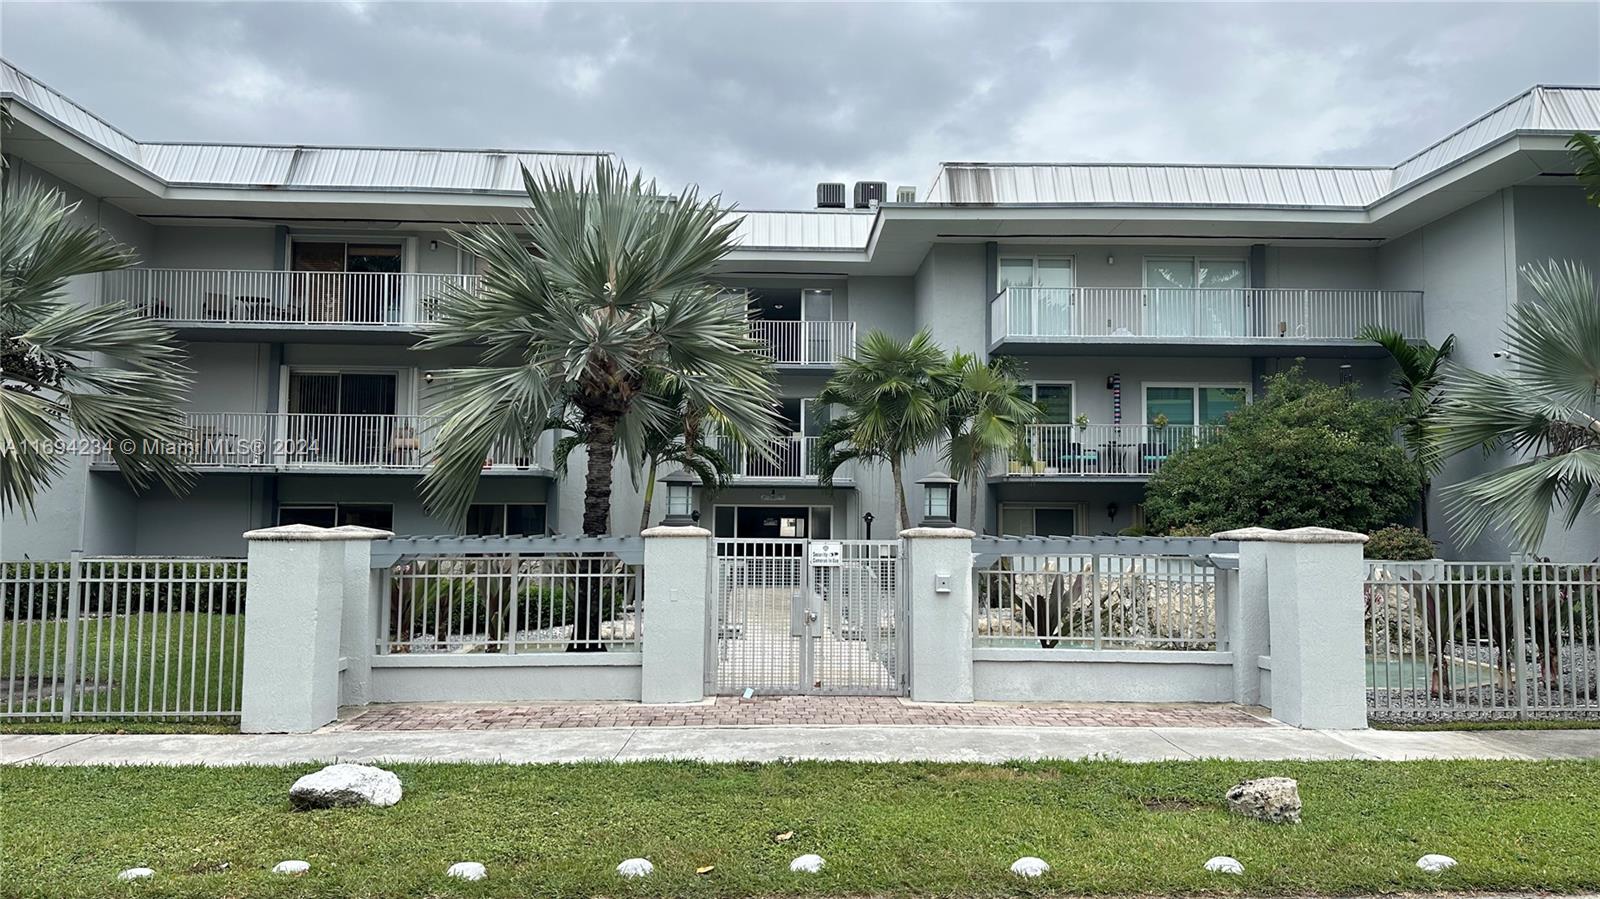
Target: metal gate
807,616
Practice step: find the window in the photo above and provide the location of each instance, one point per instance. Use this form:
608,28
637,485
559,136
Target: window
344,281
1192,404
1195,296
1055,400
327,515
1039,521
505,519
1040,306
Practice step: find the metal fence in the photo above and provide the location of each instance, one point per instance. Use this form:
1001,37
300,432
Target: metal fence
122,638
1482,639
222,296
1149,599
512,602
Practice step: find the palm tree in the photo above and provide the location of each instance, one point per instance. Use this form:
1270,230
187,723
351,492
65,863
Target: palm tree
611,306
101,373
1419,373
985,416
1545,408
1585,151
893,395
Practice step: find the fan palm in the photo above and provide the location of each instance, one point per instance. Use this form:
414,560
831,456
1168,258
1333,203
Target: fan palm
1545,409
101,373
893,395
611,308
1585,151
986,415
1419,373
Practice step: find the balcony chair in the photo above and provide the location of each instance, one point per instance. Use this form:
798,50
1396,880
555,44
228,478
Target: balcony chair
1078,460
1151,455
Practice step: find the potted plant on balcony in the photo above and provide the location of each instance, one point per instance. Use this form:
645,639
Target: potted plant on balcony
1082,421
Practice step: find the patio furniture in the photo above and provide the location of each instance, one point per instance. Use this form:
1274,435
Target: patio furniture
1151,455
1077,460
1115,462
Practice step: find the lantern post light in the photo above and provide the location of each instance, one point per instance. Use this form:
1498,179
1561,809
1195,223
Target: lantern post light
680,499
938,500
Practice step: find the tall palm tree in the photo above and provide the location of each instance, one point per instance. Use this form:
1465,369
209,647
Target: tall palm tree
1419,373
101,373
984,416
614,300
1545,408
893,395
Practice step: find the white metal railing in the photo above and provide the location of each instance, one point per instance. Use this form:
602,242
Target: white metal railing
122,637
1267,313
298,440
231,296
1097,601
791,457
1103,450
511,603
805,343
1482,639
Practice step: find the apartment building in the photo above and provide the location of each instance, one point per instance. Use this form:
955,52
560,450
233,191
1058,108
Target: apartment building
1147,301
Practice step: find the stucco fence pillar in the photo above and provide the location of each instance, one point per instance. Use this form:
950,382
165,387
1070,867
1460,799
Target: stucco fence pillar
307,603
1304,585
677,589
939,597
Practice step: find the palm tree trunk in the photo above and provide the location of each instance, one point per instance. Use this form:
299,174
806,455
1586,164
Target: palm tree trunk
590,598
972,501
896,472
649,496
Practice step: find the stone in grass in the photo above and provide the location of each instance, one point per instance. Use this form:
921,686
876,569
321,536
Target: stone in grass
1225,864
635,868
1275,800
345,785
466,871
809,863
1030,867
292,866
136,874
1433,864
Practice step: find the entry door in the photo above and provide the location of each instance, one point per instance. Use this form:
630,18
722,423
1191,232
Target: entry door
807,616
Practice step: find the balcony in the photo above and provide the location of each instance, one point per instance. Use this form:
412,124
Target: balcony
296,441
278,300
1102,452
810,343
793,461
1253,321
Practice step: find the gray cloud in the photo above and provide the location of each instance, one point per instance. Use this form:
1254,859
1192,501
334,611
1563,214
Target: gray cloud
759,101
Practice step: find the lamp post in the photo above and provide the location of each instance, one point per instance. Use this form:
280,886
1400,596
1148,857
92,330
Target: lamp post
680,499
866,519
938,500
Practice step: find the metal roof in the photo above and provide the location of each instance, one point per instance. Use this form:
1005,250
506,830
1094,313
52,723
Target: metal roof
1560,110
815,229
1159,185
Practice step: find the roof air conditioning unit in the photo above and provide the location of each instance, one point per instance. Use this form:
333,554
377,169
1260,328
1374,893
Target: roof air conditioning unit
871,193
830,195
905,194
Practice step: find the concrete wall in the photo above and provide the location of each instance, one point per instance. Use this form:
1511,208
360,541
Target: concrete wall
489,678
1070,675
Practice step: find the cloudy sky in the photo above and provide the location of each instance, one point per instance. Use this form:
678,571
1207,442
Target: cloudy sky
760,101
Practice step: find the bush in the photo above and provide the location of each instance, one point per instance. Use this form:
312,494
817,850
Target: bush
1188,530
1398,543
1307,453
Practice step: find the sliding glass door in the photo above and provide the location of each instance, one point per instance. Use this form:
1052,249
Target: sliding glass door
1195,297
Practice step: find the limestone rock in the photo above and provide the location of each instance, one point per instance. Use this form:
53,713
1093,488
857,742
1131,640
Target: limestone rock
1225,864
1433,864
807,864
136,874
1030,867
1275,800
466,871
293,866
634,868
345,785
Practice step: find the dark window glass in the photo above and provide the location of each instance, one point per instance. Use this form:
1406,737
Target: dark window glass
485,520
367,515
318,516
525,519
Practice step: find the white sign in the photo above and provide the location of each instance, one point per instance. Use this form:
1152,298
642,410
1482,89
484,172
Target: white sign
829,553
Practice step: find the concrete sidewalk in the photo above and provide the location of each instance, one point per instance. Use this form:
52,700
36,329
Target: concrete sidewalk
867,743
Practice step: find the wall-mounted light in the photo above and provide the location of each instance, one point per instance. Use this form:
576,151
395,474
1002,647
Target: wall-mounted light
433,245
1111,510
1110,259
427,377
938,500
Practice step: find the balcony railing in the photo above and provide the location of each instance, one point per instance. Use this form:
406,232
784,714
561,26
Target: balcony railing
220,296
298,440
1103,451
806,343
792,458
1265,313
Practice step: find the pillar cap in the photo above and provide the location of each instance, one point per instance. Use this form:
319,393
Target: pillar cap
1292,535
310,532
668,530
938,533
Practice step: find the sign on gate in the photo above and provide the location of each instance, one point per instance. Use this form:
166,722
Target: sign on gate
827,553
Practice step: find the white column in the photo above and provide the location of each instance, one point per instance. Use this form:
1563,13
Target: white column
677,588
294,602
1314,622
939,601
1245,612
358,620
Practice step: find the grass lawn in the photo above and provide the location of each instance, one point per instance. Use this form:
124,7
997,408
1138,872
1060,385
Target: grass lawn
900,830
140,726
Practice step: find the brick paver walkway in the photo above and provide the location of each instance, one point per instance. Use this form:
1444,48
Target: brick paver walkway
791,710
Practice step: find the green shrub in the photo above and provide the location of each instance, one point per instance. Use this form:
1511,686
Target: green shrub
1398,543
1306,453
1188,530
